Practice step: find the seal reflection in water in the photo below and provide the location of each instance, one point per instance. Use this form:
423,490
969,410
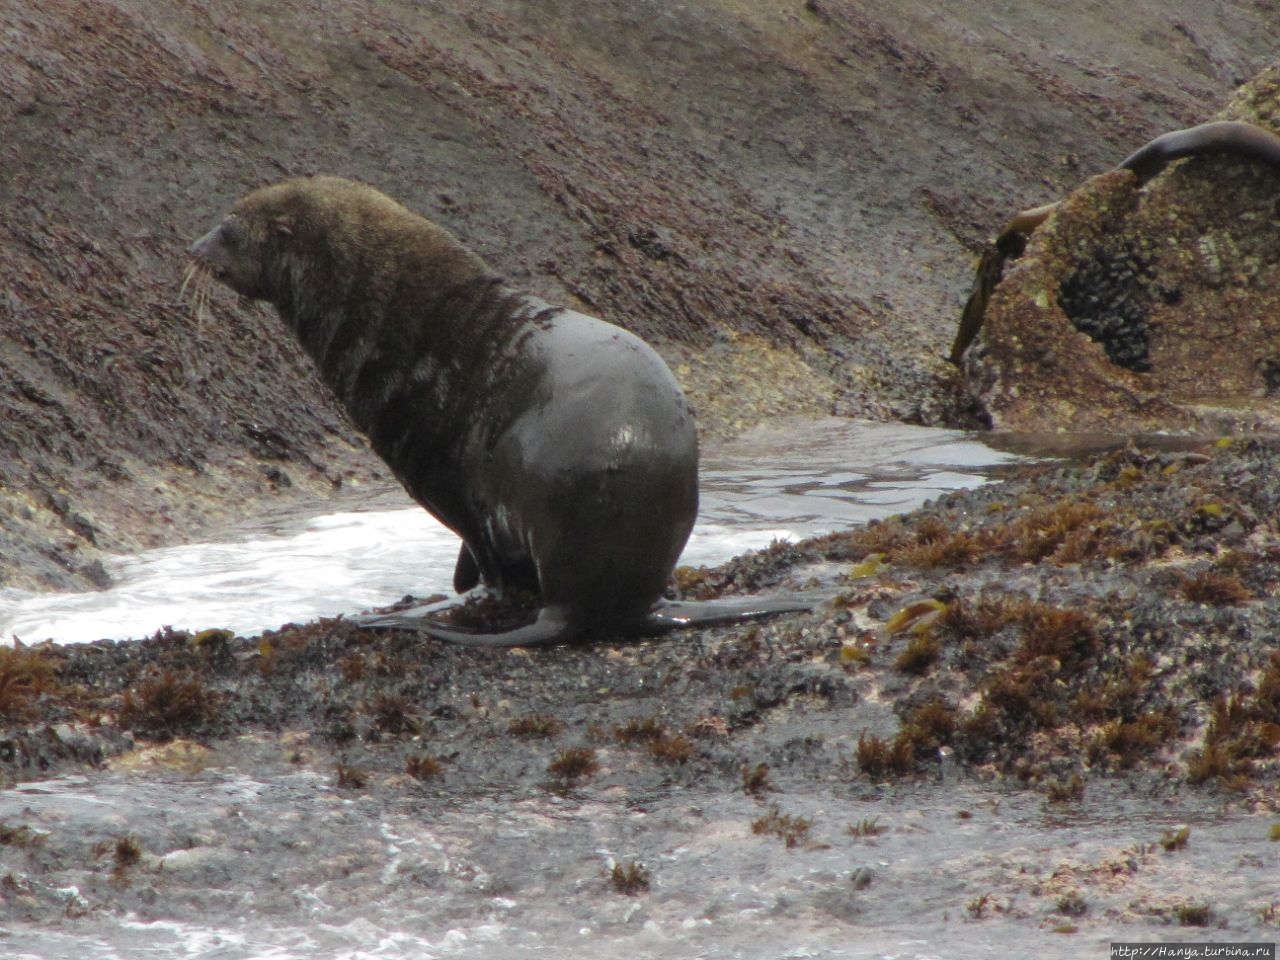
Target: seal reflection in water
557,446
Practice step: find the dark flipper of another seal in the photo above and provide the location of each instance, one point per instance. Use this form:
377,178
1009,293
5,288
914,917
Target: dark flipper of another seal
1218,138
553,627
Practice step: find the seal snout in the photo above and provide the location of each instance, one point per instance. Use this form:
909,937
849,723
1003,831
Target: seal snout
226,253
206,251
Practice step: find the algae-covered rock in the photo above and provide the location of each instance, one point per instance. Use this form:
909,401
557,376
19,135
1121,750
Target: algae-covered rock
1144,308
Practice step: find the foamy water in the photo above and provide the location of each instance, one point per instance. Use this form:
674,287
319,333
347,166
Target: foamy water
789,483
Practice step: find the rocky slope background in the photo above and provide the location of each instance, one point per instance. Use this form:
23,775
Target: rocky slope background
784,197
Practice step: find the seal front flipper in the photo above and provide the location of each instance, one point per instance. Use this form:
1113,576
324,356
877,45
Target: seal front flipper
682,614
467,573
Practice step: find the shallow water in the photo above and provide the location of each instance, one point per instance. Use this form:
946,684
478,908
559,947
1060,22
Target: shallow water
240,877
789,482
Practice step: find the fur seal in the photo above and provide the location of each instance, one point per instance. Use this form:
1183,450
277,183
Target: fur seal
559,447
1221,137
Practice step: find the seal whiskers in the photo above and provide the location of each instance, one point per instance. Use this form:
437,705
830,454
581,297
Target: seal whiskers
197,279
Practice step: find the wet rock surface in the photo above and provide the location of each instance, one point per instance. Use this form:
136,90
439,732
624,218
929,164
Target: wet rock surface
1026,689
1138,309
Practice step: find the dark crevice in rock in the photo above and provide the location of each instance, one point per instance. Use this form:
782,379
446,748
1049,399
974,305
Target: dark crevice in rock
1107,298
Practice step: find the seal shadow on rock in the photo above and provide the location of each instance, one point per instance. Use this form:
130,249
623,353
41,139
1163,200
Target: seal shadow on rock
559,447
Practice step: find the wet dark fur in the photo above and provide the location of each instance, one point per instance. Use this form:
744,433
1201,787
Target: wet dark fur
559,447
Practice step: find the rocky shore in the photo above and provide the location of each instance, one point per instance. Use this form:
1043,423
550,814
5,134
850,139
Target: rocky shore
1080,638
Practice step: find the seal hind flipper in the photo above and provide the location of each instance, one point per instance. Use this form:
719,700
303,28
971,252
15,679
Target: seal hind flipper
683,614
550,627
408,618
553,627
